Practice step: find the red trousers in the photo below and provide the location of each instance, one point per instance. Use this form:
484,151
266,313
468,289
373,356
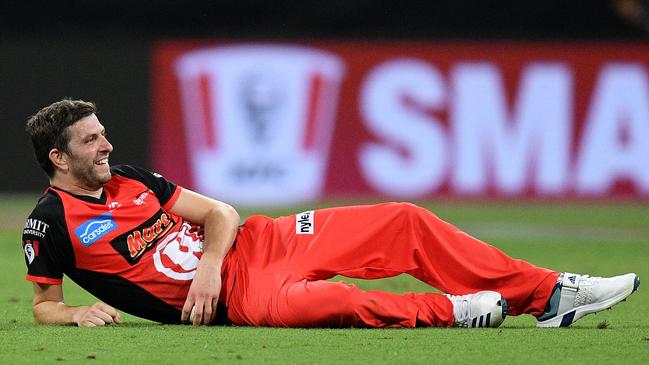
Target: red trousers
280,266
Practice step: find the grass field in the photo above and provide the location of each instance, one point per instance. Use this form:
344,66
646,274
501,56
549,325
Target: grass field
597,238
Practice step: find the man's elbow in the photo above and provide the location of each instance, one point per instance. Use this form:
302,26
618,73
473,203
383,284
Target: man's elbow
39,314
39,320
229,214
234,215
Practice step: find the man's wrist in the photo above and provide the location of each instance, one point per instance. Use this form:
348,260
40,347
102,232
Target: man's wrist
212,259
77,313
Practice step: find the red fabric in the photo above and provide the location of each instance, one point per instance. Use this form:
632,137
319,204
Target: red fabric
43,279
170,203
280,274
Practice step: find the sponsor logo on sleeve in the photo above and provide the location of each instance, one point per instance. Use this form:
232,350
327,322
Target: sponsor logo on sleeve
141,199
31,250
94,229
304,222
35,227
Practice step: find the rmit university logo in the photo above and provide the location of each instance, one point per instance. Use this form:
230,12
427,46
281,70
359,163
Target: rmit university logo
133,244
35,227
260,119
90,231
304,223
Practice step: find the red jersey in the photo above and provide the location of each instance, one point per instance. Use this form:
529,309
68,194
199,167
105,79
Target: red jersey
125,248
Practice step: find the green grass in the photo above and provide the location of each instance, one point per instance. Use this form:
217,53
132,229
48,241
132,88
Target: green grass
602,238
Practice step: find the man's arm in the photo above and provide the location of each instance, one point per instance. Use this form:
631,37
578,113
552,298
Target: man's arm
220,222
48,308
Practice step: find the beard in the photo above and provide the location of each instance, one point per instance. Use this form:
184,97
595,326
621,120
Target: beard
87,174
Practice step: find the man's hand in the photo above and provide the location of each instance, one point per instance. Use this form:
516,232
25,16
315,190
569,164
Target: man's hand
220,223
48,308
203,293
99,314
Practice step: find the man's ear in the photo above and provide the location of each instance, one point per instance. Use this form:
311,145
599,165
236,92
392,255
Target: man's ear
59,159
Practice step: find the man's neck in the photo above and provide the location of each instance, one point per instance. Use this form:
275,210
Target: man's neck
75,188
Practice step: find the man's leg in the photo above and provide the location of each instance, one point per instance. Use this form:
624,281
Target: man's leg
321,303
270,290
389,239
337,304
374,242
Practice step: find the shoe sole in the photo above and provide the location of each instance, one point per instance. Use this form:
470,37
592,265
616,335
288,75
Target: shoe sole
567,318
505,309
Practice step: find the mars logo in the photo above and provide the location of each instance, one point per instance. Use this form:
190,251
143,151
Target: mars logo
259,119
177,255
132,244
141,239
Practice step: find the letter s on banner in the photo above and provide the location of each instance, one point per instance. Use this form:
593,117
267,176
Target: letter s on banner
402,126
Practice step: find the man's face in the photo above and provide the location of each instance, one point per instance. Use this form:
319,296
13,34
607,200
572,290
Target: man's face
88,153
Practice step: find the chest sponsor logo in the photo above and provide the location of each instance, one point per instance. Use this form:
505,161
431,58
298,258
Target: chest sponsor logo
94,229
31,250
304,222
132,244
35,227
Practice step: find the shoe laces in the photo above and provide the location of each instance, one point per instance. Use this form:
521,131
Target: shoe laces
584,294
461,308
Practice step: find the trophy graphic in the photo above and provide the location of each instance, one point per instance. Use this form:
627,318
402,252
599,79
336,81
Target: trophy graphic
259,120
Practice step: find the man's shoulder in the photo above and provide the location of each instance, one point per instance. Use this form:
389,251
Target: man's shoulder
161,187
48,204
126,170
134,172
47,212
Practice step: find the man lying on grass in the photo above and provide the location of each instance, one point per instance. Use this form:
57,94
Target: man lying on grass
150,248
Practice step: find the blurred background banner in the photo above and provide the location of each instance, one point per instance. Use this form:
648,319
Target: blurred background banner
252,122
274,103
256,119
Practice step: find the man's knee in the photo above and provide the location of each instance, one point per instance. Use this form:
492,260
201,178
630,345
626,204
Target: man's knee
412,212
319,304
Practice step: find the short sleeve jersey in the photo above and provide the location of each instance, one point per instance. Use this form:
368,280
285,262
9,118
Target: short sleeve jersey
125,248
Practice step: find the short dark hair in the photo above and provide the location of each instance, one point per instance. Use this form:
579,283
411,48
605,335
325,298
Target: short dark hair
48,128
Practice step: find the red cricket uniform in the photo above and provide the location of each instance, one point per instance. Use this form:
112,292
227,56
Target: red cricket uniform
281,266
129,251
125,248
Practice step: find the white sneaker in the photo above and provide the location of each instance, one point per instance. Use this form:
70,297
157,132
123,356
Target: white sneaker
482,309
578,295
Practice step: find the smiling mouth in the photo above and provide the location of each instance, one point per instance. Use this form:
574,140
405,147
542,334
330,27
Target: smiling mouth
103,161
